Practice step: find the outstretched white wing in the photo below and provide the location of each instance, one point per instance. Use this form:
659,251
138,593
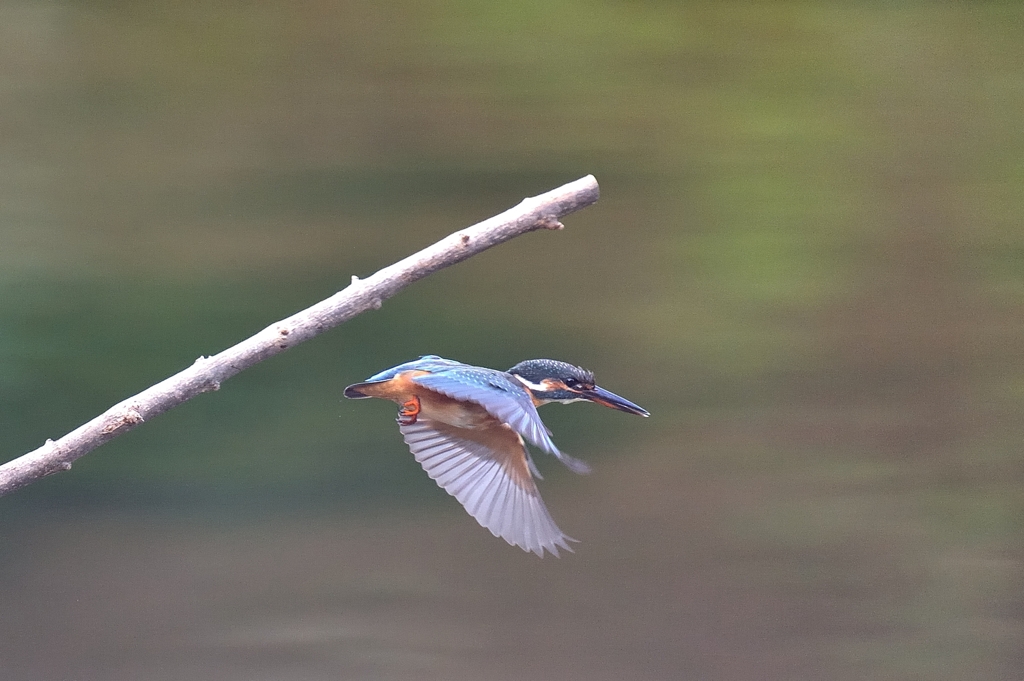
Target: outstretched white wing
486,470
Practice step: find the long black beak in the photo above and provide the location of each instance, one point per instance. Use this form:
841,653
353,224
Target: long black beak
610,399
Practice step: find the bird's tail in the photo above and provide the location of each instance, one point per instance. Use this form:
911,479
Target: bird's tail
355,392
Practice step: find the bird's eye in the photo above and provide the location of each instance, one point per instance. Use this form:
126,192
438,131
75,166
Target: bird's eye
572,384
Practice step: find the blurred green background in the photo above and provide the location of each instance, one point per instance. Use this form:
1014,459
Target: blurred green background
807,263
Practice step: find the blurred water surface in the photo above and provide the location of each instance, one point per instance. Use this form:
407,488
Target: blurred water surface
807,263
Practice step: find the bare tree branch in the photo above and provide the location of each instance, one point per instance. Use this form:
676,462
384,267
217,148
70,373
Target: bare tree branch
207,373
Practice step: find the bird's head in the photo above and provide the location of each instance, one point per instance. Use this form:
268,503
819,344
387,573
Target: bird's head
551,381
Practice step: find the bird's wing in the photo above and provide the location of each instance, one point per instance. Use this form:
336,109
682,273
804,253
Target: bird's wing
486,470
504,400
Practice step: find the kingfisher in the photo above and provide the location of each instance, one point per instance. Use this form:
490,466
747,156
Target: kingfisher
466,426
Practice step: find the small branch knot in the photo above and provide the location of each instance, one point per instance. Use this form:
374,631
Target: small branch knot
550,222
58,467
283,332
130,417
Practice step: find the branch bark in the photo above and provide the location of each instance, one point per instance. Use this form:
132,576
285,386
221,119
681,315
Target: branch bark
208,373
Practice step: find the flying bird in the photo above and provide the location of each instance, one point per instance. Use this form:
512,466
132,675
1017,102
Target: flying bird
466,426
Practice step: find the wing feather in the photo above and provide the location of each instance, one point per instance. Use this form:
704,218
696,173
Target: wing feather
486,471
477,488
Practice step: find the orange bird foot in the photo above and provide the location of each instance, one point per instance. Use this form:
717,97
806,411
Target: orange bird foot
408,412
